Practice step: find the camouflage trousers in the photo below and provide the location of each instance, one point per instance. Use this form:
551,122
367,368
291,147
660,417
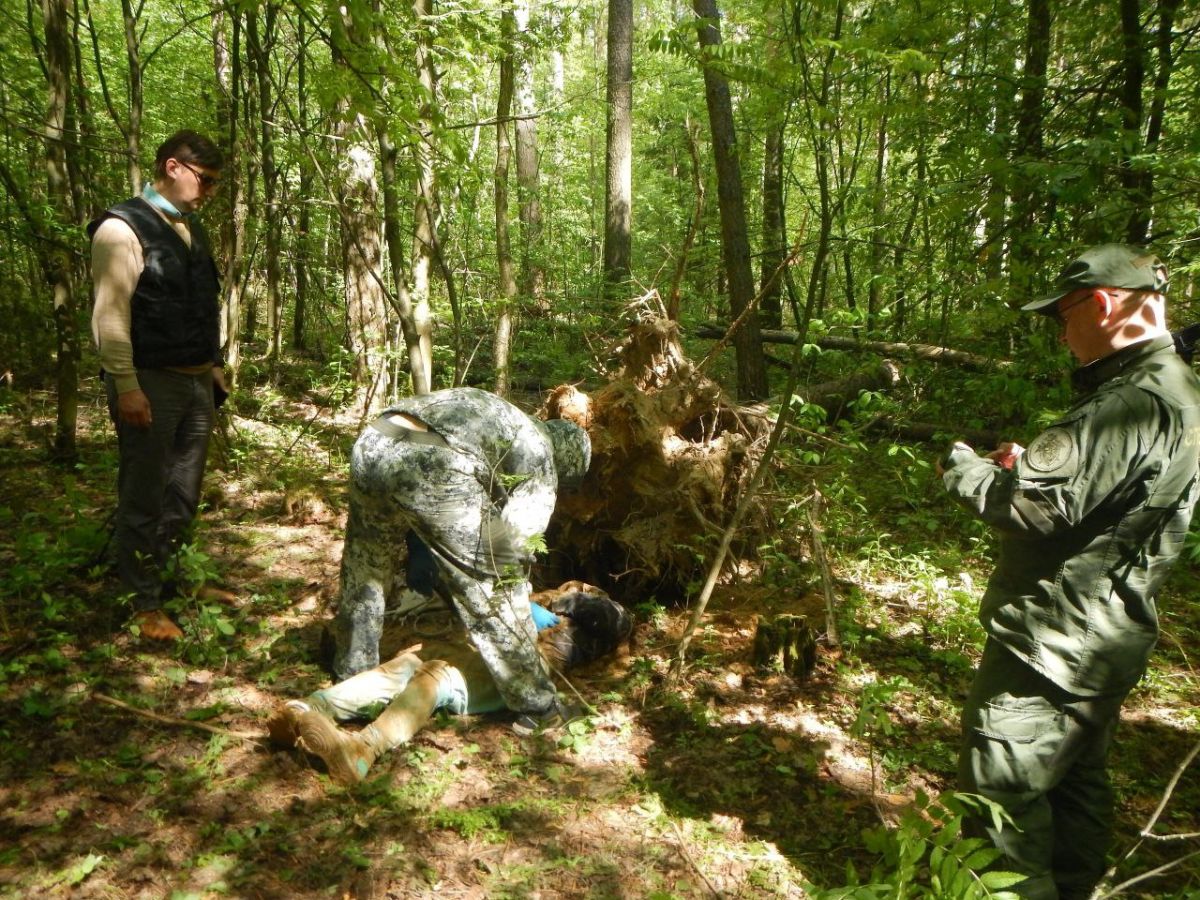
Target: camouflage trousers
1040,752
397,487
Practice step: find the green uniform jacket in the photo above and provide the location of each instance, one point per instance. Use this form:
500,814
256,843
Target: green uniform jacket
1090,518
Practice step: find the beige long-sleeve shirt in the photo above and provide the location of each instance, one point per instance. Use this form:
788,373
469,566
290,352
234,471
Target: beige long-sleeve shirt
117,265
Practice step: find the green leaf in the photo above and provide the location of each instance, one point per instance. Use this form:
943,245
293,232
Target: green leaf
998,881
981,859
83,868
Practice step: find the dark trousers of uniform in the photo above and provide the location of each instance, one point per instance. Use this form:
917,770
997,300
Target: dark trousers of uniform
1039,752
159,477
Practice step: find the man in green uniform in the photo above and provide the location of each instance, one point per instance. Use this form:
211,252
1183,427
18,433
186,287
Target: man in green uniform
1090,518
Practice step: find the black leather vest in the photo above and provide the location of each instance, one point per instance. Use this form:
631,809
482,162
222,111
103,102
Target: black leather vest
175,309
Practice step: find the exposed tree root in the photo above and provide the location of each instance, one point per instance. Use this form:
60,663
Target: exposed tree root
668,453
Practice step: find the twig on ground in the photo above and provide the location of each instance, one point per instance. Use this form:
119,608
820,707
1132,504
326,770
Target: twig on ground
814,529
1146,835
567,681
186,723
1167,792
1137,879
683,851
1170,838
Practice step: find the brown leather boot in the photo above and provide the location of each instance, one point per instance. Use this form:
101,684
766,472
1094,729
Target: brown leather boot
284,727
348,755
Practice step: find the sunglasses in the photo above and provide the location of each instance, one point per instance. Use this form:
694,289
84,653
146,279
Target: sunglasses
1060,313
206,181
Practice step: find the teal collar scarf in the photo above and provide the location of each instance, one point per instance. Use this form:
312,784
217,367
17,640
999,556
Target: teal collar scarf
158,201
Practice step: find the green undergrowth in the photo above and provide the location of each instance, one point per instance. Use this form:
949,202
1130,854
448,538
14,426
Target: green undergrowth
730,781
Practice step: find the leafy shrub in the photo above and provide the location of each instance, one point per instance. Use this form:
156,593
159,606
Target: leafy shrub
927,855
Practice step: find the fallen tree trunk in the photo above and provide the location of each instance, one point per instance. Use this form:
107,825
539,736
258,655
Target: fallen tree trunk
890,348
835,396
982,439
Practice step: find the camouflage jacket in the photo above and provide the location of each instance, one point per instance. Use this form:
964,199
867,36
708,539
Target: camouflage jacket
1090,518
512,460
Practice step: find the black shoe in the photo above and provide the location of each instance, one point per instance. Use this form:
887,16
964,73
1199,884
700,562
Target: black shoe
558,715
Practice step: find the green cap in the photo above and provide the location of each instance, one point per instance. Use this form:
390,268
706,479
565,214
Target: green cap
1109,265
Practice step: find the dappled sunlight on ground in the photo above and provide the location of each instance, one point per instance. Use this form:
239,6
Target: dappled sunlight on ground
729,782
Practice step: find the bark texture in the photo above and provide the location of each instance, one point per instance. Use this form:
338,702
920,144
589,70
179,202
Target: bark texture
618,206
735,243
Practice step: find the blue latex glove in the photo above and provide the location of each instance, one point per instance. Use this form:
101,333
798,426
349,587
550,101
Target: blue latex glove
542,617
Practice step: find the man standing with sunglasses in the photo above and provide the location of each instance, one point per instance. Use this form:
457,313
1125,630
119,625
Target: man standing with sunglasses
1090,517
156,322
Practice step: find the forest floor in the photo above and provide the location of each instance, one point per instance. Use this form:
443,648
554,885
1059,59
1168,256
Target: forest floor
729,784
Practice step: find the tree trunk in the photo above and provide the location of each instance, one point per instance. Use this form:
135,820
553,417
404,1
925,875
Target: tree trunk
358,202
928,352
1028,152
618,205
900,317
304,214
425,213
533,272
101,77
997,193
1158,104
773,248
362,257
751,369
693,227
821,125
259,47
785,644
81,164
396,255
504,261
879,207
227,63
1131,172
133,134
59,268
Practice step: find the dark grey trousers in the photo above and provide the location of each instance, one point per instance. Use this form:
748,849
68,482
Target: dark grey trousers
159,477
1040,752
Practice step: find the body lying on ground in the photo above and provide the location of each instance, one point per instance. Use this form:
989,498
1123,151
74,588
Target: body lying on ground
445,674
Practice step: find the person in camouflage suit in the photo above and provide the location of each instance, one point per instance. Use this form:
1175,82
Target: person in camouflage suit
1090,517
468,480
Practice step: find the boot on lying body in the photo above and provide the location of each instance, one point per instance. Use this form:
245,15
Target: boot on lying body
351,699
592,625
581,637
349,755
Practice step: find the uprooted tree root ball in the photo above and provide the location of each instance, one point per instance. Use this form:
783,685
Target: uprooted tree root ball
669,453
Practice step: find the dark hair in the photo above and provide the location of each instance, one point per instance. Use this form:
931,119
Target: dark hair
188,147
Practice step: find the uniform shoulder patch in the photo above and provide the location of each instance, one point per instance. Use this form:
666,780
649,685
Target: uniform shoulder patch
1051,451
